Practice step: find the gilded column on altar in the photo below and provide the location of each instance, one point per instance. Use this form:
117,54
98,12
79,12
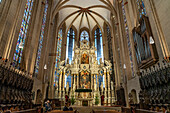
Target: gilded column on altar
97,82
105,81
60,84
63,85
71,82
92,81
108,75
74,80
109,94
105,92
63,81
77,81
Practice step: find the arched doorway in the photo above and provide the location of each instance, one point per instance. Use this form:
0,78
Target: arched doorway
38,97
134,96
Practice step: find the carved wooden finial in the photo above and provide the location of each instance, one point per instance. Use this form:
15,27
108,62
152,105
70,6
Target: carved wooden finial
43,3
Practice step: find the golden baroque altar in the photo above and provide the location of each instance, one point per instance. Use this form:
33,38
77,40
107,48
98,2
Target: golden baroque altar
85,71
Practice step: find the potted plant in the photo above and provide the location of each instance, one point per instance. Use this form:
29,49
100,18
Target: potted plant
72,100
96,100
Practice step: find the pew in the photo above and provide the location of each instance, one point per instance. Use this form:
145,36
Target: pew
104,111
144,111
128,110
24,111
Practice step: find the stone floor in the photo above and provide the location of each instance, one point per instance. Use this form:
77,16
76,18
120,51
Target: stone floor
83,109
88,109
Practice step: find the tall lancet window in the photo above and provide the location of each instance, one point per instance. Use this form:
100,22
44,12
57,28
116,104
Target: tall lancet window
141,7
70,45
84,35
109,40
23,32
58,56
41,39
128,38
98,44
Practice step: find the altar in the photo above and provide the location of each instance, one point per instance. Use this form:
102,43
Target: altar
84,101
85,71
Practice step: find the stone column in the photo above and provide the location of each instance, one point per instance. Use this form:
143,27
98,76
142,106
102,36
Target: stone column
60,80
108,81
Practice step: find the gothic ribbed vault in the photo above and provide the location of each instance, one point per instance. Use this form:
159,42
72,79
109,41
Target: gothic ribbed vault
84,13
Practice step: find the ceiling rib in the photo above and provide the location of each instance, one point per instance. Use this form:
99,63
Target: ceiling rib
73,22
88,21
96,22
68,17
92,15
81,21
100,17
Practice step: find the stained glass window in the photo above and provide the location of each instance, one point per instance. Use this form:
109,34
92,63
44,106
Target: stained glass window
84,35
58,56
141,7
128,38
98,44
23,32
70,45
109,40
41,39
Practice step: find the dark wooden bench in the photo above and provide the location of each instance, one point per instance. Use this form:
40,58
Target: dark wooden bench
128,110
26,111
144,111
105,111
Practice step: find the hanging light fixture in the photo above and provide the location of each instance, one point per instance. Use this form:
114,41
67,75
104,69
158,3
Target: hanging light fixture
151,40
45,66
124,66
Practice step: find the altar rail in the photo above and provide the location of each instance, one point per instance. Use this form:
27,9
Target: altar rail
60,111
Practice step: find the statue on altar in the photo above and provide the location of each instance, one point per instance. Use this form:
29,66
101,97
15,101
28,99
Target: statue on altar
85,59
85,80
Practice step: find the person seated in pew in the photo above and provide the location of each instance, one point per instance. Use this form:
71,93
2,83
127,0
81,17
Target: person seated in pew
67,108
47,106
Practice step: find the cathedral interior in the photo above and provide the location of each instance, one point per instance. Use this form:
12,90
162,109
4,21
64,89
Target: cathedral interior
101,56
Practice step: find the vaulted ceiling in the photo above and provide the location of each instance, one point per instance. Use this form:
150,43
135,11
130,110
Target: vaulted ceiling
84,13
